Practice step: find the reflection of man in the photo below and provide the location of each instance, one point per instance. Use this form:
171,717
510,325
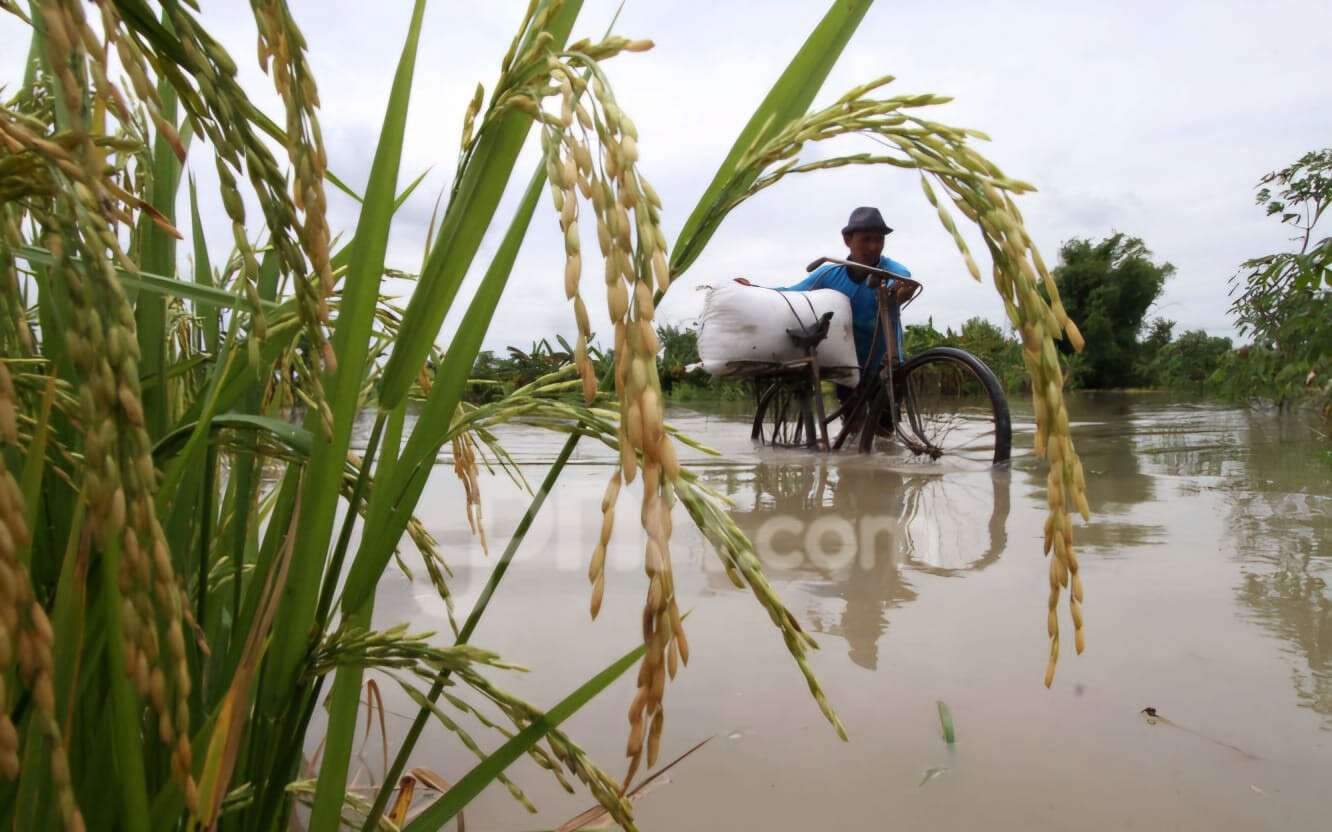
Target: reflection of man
868,495
844,534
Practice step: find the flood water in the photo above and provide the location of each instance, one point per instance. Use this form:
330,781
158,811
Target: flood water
1206,568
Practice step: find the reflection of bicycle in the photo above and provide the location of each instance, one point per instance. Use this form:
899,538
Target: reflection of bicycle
848,535
941,401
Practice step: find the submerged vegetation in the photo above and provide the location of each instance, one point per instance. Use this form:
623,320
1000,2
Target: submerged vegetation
185,573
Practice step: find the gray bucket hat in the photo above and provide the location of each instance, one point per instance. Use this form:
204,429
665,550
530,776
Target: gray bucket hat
866,219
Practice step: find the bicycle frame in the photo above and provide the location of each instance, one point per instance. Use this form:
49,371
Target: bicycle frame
888,309
789,400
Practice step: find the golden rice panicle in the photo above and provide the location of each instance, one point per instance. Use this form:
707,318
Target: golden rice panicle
564,170
596,572
1018,273
282,43
633,249
13,577
298,245
742,565
467,472
26,637
984,195
13,318
119,479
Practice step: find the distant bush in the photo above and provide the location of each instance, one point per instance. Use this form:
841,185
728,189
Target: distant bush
983,339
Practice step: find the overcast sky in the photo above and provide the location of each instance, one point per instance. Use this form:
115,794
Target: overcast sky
1154,119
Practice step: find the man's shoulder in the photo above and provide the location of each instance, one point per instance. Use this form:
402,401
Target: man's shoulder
893,266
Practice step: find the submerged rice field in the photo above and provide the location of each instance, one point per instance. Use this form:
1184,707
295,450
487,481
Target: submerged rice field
1206,566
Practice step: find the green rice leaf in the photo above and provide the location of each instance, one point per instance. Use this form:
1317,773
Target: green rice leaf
392,503
351,343
481,775
466,219
143,281
789,99
203,275
946,720
157,254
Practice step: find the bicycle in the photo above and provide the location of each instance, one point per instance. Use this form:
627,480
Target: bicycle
943,401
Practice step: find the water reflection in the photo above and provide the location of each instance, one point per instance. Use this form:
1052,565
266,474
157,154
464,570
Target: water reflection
1108,445
1265,474
1110,433
849,531
1280,523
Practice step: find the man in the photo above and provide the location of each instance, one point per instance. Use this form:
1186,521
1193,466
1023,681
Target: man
863,235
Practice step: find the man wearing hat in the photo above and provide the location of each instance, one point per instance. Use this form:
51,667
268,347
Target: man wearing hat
863,236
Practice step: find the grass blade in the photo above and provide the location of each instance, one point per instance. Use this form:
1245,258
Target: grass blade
788,99
203,275
466,219
471,784
946,720
147,281
392,503
473,618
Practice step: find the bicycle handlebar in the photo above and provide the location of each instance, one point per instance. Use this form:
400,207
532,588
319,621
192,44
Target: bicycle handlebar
873,270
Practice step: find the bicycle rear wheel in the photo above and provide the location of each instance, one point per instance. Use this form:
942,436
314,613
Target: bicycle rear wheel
785,417
952,404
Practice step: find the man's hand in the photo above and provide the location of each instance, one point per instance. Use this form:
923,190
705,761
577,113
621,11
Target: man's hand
903,290
744,282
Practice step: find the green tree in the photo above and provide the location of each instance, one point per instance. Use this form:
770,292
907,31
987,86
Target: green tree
1107,287
920,337
1285,299
1159,334
1191,360
679,351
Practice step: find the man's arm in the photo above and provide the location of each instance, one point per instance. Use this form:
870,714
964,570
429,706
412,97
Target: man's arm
803,286
811,282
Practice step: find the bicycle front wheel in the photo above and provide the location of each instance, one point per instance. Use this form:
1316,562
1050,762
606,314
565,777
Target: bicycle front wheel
953,405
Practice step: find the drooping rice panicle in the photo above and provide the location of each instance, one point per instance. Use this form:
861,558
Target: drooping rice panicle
945,157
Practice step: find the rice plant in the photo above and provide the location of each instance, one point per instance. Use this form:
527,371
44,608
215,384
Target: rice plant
178,488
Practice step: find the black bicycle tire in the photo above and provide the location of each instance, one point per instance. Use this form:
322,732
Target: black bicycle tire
1003,423
806,419
762,398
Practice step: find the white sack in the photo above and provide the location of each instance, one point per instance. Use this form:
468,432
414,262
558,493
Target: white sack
748,323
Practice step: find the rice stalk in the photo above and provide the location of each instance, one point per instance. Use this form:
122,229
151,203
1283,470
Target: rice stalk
159,446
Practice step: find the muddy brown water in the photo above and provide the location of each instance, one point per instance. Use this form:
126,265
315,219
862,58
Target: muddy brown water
1205,564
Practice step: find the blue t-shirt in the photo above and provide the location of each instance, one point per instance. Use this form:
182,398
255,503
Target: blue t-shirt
864,308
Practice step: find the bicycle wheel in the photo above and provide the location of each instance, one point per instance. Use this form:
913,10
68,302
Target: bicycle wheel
785,417
953,405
